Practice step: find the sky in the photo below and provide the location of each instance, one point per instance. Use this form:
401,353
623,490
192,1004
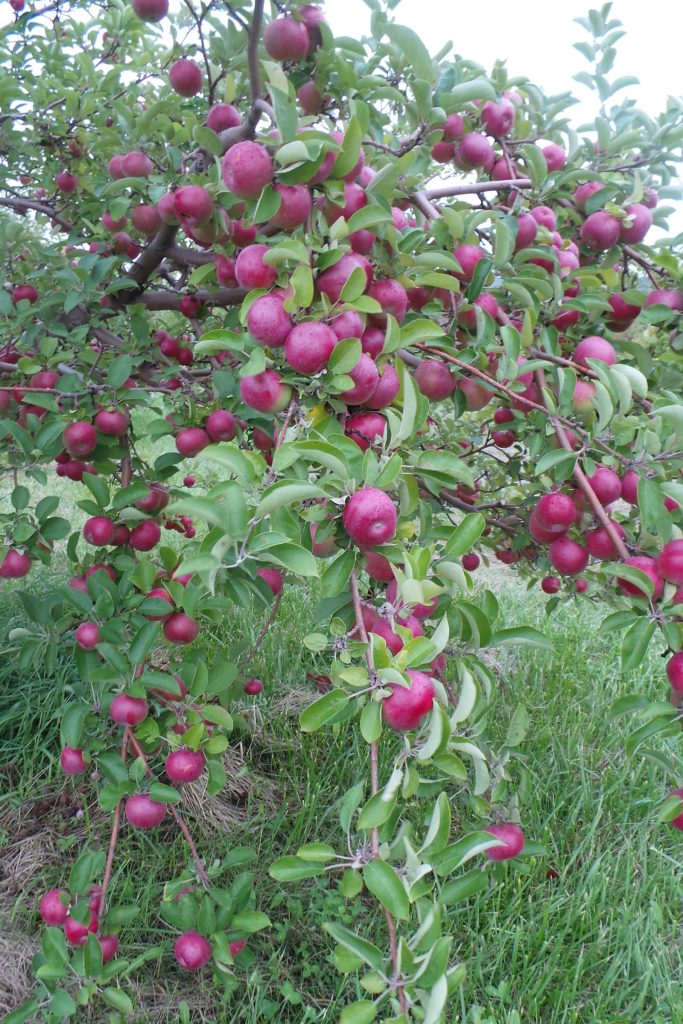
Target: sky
535,38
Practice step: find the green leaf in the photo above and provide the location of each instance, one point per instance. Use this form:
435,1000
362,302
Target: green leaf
518,726
414,49
462,888
229,457
371,721
250,921
636,642
439,827
383,882
335,577
292,869
323,710
117,998
317,852
362,1012
477,89
97,488
143,642
286,492
520,636
62,1004
297,559
670,808
465,535
361,948
164,794
458,853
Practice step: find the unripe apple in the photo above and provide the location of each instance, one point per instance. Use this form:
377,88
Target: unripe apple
143,812
649,567
331,281
550,584
72,762
434,379
386,390
365,376
145,536
253,687
606,484
555,512
54,907
185,77
641,217
87,636
181,629
568,557
600,230
370,517
76,934
595,347
286,39
674,671
247,168
223,116
265,391
407,706
365,428
185,765
670,562
79,438
193,205
136,165
127,710
273,579
15,565
190,441
150,10
512,838
113,422
192,950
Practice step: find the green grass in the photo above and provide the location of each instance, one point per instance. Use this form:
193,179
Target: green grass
596,940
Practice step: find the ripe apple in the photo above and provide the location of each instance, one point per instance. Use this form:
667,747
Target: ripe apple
273,579
150,10
79,438
407,706
674,671
434,379
185,765
555,512
192,950
247,168
253,687
308,346
265,391
127,710
670,562
181,629
15,565
87,636
72,762
143,812
512,838
54,907
286,39
568,557
185,77
649,567
370,517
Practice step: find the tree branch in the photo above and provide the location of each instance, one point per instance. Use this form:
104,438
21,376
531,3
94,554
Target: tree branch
22,206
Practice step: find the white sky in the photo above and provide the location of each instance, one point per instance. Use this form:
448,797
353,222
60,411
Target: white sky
536,37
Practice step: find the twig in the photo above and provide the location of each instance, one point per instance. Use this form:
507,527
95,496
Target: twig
114,836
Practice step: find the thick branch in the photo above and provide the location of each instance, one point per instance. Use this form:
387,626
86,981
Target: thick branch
252,51
475,187
22,206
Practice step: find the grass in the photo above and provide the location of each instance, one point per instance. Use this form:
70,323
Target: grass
588,935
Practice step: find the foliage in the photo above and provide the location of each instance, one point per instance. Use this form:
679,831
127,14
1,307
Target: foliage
334,340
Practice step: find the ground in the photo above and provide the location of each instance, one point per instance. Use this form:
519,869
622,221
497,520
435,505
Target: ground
591,933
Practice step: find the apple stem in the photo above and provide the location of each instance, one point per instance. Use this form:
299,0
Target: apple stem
583,482
113,838
176,814
374,789
515,396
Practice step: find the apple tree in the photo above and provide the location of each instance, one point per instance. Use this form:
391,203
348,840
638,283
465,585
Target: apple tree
380,317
